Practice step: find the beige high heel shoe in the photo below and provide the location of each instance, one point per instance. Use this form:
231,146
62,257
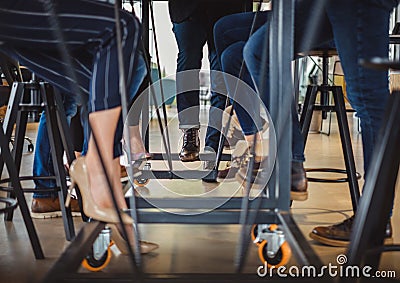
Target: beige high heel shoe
79,176
145,247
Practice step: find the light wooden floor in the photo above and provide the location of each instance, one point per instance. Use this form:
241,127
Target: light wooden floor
197,248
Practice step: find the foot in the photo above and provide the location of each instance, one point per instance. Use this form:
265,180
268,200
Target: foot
191,146
43,208
298,189
120,242
338,235
209,165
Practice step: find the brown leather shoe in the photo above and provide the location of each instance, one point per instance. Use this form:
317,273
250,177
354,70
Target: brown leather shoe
42,208
191,146
338,235
298,190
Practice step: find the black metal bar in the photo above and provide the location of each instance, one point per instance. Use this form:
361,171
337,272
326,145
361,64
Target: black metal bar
71,258
57,150
19,135
183,278
201,203
203,156
212,217
308,109
346,145
300,246
13,173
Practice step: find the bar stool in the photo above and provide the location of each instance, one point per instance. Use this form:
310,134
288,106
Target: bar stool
20,200
17,114
325,90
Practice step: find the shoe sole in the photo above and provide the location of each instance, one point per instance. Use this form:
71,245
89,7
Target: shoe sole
54,214
338,243
298,196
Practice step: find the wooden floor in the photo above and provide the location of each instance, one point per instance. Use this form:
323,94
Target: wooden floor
197,248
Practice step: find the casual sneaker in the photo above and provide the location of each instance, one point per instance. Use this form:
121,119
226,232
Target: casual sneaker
191,146
42,208
338,235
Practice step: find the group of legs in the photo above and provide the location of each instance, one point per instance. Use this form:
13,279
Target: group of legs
359,31
94,55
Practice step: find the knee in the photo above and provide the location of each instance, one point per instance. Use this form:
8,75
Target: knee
250,55
232,58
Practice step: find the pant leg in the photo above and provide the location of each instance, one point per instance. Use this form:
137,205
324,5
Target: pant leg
361,32
42,160
253,58
231,33
190,36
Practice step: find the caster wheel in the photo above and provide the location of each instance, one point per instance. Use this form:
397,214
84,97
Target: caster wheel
30,147
95,265
254,233
281,258
141,182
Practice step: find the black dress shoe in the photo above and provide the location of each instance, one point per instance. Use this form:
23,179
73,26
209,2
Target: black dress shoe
191,146
338,235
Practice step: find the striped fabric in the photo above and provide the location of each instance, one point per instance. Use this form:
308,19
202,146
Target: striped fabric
89,31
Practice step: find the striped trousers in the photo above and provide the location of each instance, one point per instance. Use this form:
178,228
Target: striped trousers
89,33
88,28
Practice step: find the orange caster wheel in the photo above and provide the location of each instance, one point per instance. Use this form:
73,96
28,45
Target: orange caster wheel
281,257
93,264
141,182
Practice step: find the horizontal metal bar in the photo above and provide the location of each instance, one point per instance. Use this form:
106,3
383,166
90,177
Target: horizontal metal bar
182,277
203,156
211,217
200,203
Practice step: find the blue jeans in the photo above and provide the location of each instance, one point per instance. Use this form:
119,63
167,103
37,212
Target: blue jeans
191,35
360,31
231,34
42,161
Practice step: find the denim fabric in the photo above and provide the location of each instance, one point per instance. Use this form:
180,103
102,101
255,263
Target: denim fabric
360,31
42,161
191,35
231,34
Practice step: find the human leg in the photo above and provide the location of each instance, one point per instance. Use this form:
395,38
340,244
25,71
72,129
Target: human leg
363,36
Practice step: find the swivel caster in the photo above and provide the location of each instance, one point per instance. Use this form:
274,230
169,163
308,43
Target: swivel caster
100,254
272,246
141,182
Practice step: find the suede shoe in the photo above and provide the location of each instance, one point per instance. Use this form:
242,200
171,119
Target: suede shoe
191,146
42,208
338,235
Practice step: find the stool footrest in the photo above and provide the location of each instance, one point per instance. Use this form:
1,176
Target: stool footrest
329,180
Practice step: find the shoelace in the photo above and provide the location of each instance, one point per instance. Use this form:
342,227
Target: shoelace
189,137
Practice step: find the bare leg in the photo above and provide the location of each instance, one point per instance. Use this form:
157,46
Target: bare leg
103,124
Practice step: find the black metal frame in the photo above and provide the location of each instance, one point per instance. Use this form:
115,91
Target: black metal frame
274,209
17,114
8,160
339,108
